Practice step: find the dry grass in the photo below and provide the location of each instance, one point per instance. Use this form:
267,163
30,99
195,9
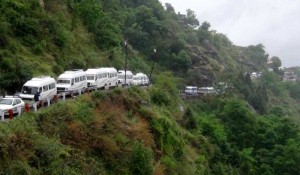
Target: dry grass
159,169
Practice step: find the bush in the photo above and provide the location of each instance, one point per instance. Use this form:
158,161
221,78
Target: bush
159,97
189,120
141,160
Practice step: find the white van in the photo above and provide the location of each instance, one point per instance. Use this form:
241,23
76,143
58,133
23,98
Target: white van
112,76
137,80
45,85
101,77
206,90
121,77
96,77
191,90
143,78
72,81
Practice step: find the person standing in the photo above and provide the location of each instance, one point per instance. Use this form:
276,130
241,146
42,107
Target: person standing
36,96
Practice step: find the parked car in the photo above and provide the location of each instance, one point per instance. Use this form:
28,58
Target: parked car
12,103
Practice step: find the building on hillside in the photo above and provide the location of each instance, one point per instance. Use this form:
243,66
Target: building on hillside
182,20
269,61
255,75
270,69
289,76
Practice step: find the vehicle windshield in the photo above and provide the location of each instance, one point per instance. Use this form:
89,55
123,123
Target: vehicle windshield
29,90
63,81
6,101
120,76
136,78
90,77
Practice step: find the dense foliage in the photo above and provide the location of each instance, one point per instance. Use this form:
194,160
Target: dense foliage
144,131
248,127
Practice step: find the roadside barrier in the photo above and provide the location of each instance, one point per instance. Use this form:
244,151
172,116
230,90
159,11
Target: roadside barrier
2,115
27,107
34,106
10,114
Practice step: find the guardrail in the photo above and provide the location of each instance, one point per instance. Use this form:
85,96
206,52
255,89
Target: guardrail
34,106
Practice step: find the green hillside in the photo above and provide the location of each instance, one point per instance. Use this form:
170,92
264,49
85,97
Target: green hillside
47,37
249,127
144,131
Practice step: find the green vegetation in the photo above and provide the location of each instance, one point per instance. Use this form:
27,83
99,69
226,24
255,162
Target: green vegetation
126,131
249,127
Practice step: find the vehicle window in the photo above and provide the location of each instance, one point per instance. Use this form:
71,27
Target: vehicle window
29,90
45,88
6,101
90,77
18,101
52,86
76,79
63,81
81,78
72,81
14,103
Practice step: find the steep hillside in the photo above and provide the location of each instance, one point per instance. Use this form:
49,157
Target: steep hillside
145,131
47,37
248,127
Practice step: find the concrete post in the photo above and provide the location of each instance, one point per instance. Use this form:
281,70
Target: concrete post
64,96
35,106
48,101
2,115
19,109
79,92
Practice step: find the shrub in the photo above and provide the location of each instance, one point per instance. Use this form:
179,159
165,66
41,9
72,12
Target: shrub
159,97
141,160
189,120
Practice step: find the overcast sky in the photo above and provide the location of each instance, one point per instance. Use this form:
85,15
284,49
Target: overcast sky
273,23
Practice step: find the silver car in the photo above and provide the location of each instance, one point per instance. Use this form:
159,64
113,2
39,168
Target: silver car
12,103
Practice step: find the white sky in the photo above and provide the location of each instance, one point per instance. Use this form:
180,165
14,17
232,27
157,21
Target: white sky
273,23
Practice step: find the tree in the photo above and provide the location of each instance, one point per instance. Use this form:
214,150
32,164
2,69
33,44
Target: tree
205,25
181,62
276,63
191,18
169,8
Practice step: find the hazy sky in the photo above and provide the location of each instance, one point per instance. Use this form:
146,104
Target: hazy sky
273,23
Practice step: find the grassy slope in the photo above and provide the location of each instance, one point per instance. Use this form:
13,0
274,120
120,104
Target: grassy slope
97,133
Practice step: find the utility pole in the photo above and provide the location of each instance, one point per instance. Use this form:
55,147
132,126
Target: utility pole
155,57
126,54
